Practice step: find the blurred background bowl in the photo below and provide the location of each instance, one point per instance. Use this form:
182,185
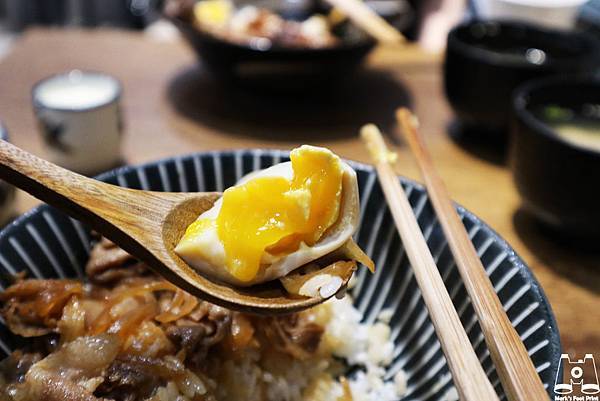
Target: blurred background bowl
276,67
559,181
486,61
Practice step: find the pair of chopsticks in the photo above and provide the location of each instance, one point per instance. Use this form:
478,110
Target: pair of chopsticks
515,369
369,20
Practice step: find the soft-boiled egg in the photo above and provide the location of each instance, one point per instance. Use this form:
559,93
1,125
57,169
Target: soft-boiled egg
276,220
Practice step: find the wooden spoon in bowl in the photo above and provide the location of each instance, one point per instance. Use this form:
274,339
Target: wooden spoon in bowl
146,224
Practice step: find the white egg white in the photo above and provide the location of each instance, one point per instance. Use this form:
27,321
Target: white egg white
205,252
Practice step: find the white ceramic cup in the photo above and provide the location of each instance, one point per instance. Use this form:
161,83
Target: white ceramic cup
559,14
80,120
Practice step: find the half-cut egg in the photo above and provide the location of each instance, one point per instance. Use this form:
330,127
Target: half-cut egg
276,220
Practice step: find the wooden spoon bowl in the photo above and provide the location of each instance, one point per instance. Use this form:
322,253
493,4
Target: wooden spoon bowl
268,298
147,224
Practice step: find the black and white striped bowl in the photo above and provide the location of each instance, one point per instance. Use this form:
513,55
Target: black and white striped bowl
46,243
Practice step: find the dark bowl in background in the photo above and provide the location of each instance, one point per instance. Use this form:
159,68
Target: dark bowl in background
559,181
486,61
279,68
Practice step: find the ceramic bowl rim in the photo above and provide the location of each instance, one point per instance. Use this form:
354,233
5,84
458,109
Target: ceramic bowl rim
555,347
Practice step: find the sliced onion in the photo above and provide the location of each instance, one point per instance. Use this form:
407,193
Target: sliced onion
301,283
242,331
72,322
181,305
353,251
105,320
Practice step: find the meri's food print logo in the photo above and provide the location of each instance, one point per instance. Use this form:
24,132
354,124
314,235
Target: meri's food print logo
580,382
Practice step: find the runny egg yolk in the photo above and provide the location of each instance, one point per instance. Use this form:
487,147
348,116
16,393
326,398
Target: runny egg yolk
275,214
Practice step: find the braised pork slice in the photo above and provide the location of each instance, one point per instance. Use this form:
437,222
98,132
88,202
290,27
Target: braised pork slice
292,334
109,264
70,374
206,326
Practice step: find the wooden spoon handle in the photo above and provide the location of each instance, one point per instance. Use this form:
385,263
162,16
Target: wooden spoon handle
84,198
471,382
46,181
517,373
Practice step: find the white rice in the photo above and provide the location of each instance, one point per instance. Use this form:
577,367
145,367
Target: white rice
451,394
361,344
345,337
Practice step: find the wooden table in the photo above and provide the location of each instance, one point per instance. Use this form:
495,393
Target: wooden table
171,107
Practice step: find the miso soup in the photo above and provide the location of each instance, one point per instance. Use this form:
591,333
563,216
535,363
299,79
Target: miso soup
580,127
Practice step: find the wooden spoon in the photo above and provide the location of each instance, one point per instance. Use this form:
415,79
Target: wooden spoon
146,224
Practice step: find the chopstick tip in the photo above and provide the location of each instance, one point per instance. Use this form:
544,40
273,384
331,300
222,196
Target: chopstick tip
407,118
373,139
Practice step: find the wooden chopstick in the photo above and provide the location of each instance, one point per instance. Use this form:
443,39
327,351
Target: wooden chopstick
369,20
471,381
516,371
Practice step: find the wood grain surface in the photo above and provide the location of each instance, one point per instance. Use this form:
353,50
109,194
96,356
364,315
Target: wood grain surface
171,106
